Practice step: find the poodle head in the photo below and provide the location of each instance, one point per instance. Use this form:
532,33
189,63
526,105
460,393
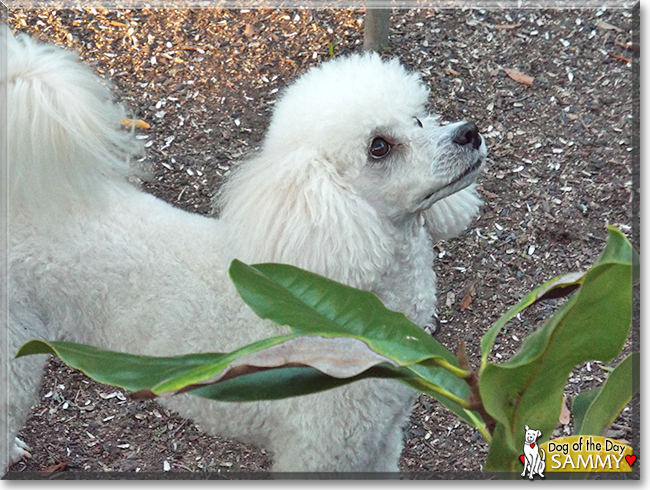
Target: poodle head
367,119
351,158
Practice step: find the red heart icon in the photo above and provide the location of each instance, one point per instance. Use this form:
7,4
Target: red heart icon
630,459
532,445
522,459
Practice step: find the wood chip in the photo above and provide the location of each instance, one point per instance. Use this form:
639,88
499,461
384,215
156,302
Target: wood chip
490,195
137,123
607,26
506,26
451,298
450,71
467,299
519,77
620,58
629,46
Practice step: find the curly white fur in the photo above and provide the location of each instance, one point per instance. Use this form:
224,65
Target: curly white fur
93,259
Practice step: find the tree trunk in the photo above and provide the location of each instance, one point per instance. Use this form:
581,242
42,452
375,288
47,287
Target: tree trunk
375,30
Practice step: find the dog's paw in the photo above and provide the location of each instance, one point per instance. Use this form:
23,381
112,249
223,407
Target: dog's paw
19,451
433,326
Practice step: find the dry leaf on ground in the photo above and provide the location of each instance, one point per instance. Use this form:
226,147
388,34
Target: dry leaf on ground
54,467
467,299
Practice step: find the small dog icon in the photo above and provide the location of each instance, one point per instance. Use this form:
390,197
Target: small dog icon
533,461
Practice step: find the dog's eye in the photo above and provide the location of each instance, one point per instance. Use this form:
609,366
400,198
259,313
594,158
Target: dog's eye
379,148
419,122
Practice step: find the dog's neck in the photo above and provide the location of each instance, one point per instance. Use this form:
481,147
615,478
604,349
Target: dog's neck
409,282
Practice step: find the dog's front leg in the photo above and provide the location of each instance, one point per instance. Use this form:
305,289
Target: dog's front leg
533,466
355,428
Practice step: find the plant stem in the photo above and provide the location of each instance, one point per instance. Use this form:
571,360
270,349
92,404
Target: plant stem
475,396
458,372
480,425
433,388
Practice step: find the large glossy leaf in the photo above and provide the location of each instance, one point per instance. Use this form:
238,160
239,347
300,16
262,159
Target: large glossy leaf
284,382
595,410
138,372
311,304
336,357
272,369
527,390
555,288
580,406
126,371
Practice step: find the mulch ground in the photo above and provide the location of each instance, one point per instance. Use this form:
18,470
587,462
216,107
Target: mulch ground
552,91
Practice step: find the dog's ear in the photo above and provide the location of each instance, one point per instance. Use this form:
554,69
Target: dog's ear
526,427
451,215
300,211
539,433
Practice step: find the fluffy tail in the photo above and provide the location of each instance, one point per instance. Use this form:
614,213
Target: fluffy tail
65,142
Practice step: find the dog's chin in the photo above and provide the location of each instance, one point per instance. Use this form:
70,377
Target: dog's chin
458,183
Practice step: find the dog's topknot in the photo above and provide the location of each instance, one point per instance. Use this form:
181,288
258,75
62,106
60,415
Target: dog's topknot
359,91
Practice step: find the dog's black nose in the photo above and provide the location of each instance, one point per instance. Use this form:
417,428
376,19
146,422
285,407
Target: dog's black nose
468,134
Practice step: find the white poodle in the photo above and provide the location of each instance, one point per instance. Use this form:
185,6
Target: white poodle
353,181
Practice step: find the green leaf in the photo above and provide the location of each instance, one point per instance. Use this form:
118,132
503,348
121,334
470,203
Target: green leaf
593,324
337,357
256,374
311,304
603,406
580,406
126,371
285,382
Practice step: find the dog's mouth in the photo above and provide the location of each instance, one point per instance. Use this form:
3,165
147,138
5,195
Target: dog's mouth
469,171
